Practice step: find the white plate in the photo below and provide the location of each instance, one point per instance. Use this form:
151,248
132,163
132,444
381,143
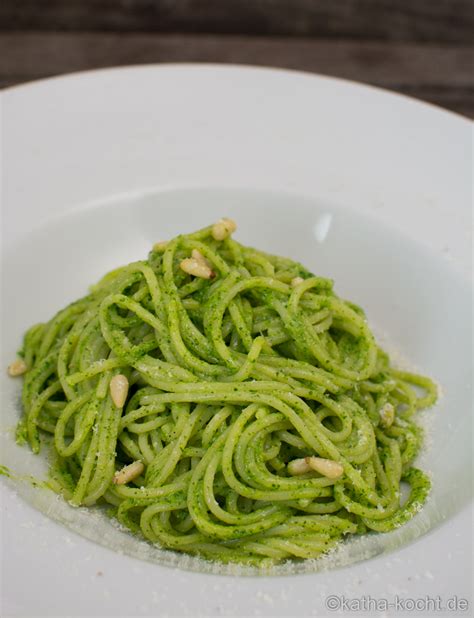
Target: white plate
367,187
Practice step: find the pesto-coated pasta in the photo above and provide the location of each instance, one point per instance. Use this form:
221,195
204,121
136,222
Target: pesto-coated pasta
225,403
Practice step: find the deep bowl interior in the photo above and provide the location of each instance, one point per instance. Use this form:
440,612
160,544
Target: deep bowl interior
419,308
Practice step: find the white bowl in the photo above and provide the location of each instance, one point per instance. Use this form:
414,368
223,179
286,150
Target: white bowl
368,188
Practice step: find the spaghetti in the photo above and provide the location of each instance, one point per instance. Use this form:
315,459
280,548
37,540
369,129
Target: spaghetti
226,403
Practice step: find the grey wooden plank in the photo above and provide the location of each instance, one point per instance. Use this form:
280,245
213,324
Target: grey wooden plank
437,73
423,20
371,61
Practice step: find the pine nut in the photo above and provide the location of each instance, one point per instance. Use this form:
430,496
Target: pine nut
298,466
223,229
17,368
193,267
127,474
160,246
296,281
119,390
387,415
198,256
327,467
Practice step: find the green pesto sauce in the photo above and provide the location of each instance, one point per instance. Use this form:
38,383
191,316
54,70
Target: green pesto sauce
196,398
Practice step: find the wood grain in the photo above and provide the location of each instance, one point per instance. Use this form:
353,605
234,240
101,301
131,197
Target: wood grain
396,20
440,74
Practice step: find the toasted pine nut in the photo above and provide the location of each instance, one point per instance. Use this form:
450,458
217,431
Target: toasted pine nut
296,281
298,466
17,368
387,415
327,467
160,246
119,390
197,269
127,474
198,256
223,229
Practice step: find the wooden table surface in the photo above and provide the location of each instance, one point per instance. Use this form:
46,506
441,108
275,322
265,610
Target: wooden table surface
421,48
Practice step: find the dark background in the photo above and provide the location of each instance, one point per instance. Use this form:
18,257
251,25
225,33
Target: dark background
420,47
